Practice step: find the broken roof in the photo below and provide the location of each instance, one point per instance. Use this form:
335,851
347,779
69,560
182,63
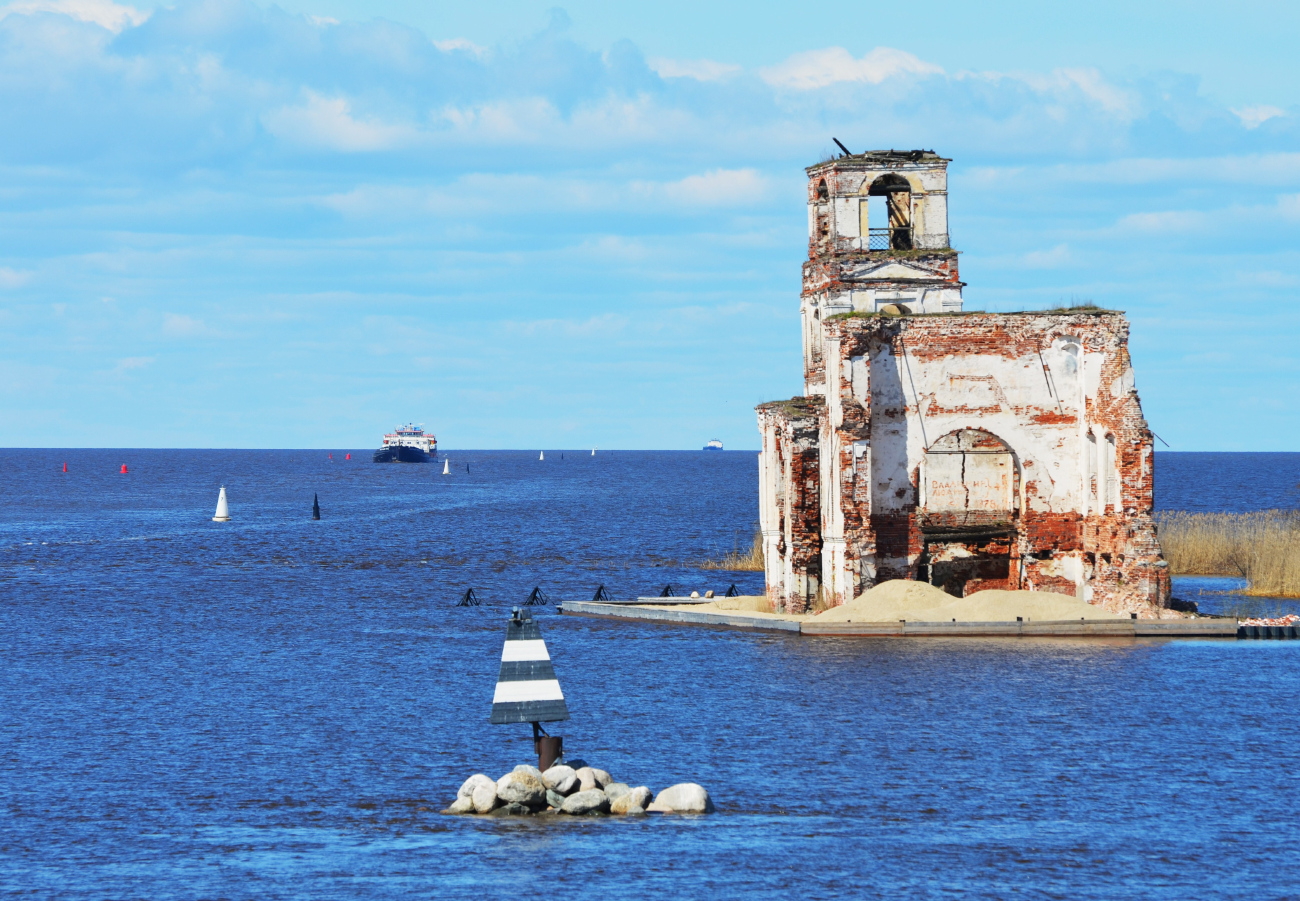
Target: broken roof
884,157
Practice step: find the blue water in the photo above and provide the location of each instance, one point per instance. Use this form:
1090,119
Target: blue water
278,708
1227,483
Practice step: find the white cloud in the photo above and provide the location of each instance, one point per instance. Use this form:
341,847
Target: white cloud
699,69
323,21
718,187
820,68
1255,116
1093,86
1047,259
466,46
13,278
176,325
1289,206
327,122
126,364
104,13
1178,221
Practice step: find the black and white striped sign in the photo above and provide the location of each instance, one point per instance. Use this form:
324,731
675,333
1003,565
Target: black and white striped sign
527,690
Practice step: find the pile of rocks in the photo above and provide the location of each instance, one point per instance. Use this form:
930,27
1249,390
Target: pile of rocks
577,791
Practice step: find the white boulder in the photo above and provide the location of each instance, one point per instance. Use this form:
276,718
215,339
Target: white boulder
584,802
485,797
685,797
522,788
590,777
461,805
562,779
473,782
631,802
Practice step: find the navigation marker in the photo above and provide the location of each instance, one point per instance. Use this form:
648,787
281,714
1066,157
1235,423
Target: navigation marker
527,690
446,467
123,469
65,467
223,511
315,505
542,455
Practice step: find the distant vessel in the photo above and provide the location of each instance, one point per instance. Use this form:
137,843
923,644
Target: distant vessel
715,444
407,444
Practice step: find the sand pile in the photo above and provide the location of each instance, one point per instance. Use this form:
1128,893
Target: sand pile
920,602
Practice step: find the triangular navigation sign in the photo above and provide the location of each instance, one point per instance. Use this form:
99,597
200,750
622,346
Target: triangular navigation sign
527,690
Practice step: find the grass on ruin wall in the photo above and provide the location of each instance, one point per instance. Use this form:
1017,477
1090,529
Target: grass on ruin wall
1263,548
741,561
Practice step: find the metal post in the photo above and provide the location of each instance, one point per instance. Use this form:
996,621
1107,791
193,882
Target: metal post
550,748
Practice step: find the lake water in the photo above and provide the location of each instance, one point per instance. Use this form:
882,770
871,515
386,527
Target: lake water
275,707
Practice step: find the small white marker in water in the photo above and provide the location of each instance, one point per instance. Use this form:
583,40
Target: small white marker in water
223,510
542,455
446,464
593,452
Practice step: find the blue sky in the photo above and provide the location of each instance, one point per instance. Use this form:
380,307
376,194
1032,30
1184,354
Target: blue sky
233,224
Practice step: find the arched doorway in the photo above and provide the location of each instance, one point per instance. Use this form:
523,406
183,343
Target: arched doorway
970,487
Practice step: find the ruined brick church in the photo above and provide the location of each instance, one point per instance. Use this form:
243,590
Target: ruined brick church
969,450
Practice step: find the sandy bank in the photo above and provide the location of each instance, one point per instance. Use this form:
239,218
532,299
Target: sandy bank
900,599
746,605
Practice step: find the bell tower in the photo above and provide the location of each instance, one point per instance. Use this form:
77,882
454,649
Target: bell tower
877,243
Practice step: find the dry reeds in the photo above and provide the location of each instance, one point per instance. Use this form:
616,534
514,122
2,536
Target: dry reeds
738,561
1262,547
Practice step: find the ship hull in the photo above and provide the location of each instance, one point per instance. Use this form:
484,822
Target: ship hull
399,453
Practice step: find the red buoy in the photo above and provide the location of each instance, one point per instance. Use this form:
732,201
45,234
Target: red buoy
349,456
65,467
123,468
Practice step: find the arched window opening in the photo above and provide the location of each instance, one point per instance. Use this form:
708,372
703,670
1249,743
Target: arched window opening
1112,475
889,207
822,192
1092,476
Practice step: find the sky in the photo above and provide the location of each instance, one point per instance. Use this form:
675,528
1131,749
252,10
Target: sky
229,223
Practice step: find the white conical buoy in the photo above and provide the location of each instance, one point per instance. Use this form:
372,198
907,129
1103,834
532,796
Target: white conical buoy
593,452
542,455
446,467
223,511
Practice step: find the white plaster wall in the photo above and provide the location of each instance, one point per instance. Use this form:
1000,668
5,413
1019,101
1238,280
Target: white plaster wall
935,234
847,218
1000,396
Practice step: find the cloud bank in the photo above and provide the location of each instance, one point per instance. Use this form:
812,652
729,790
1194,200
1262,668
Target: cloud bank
272,211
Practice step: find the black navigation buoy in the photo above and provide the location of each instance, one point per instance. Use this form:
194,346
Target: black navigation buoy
467,467
527,689
315,506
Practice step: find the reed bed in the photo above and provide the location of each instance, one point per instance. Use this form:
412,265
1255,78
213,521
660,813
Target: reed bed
1261,547
741,561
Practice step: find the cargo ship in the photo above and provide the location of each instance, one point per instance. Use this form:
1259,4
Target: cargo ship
715,444
407,444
